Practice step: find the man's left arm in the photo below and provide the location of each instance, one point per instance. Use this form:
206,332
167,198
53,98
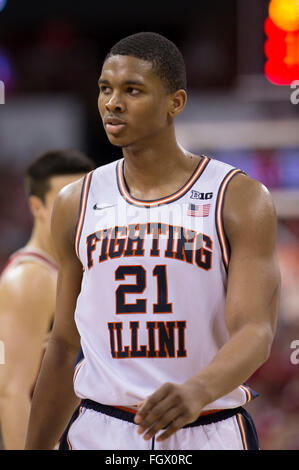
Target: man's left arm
252,300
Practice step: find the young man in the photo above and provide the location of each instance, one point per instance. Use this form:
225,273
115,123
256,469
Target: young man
178,300
28,292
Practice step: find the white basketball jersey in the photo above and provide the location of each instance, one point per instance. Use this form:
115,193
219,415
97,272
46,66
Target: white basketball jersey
31,255
152,303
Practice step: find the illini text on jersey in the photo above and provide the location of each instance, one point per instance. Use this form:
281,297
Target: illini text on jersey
165,339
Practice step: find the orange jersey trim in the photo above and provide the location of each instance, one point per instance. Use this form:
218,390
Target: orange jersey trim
242,431
78,366
219,220
130,410
165,200
209,412
248,393
83,202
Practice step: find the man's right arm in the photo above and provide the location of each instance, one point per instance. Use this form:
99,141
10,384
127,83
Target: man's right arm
54,400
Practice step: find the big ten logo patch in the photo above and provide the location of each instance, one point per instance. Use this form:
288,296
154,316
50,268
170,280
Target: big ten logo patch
200,196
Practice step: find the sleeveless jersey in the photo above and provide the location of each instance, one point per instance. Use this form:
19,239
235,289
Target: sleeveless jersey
34,255
152,304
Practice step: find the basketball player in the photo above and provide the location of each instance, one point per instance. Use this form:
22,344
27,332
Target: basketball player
177,304
28,292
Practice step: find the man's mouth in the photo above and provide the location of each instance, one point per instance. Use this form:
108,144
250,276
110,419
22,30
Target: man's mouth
114,125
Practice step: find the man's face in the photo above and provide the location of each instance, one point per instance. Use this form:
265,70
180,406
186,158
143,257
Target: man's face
133,102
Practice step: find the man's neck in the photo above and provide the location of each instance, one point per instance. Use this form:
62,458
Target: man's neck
41,241
157,173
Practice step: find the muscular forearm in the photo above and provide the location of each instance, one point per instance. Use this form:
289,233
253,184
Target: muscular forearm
54,400
235,362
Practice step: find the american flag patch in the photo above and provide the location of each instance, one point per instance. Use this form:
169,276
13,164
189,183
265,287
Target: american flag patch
202,210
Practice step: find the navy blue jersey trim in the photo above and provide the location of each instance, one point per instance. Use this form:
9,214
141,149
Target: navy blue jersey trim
127,416
160,202
251,436
252,392
63,443
79,357
226,241
80,209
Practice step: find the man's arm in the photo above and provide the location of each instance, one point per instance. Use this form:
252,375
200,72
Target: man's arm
54,399
27,298
251,309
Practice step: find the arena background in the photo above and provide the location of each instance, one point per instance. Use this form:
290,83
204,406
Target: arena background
50,59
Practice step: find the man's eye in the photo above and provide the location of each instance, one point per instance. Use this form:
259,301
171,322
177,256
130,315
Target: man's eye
105,89
133,91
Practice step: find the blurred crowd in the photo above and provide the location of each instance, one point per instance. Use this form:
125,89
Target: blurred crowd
276,410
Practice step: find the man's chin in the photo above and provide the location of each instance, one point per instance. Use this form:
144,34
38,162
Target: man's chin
119,142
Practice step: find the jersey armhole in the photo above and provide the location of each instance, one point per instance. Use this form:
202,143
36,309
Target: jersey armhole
222,238
82,210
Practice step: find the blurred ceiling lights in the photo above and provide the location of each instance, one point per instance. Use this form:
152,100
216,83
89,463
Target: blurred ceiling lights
282,44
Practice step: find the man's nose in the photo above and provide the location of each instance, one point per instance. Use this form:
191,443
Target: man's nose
115,103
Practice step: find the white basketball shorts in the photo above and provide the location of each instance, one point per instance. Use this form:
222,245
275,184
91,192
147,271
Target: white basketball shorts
100,427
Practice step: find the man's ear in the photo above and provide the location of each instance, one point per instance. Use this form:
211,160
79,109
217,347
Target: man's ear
36,206
177,102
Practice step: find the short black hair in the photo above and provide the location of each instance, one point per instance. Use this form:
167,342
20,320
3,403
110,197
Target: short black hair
166,58
54,163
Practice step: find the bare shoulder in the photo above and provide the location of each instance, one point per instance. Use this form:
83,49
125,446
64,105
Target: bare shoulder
26,283
244,192
69,196
66,210
249,211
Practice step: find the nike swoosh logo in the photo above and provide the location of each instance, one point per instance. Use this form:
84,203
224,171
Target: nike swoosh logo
98,207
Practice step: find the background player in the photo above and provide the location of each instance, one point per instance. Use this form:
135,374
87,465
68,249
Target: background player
227,307
28,291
